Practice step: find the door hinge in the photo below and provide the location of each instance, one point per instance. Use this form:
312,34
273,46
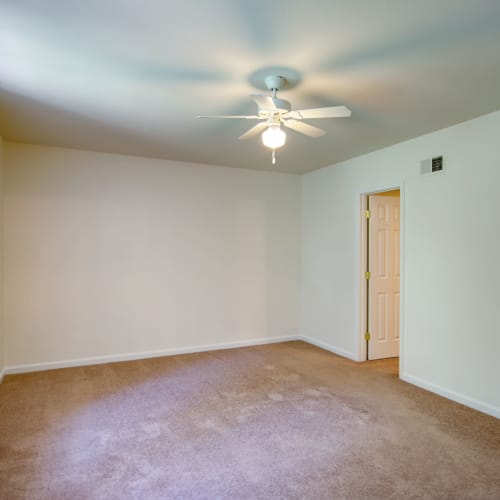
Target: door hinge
367,336
367,214
368,275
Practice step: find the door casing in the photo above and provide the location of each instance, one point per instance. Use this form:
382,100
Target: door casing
362,286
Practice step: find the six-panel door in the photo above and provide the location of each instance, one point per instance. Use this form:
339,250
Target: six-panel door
383,286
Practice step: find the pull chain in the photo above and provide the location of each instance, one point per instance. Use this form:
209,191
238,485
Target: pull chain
274,157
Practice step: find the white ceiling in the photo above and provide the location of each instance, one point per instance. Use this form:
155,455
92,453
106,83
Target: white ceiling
130,76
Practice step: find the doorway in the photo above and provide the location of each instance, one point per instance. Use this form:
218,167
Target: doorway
381,271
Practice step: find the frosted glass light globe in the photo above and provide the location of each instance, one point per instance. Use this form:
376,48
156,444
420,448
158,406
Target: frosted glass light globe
273,137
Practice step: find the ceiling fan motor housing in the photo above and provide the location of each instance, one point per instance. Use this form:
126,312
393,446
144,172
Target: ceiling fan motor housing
282,106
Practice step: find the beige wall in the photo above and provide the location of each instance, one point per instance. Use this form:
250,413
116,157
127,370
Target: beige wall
110,255
450,265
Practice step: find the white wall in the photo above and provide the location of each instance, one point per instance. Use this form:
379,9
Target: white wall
451,267
108,255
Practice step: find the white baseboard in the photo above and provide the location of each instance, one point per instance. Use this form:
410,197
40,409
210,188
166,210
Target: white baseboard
328,347
35,367
454,396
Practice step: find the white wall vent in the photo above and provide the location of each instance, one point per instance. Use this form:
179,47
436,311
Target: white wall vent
431,165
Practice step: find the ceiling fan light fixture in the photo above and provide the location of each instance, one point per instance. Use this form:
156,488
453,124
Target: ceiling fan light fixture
273,137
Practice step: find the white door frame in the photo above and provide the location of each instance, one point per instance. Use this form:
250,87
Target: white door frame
362,349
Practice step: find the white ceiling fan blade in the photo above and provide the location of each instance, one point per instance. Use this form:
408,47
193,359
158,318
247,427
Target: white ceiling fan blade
304,128
264,102
232,117
331,112
255,130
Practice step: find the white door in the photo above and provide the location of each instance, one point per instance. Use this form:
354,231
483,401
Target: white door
383,283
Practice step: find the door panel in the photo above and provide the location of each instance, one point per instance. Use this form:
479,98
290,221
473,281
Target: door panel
383,286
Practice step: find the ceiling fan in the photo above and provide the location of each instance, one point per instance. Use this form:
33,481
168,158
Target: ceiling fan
275,113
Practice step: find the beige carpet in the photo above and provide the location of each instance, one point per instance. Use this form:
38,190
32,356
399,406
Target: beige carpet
281,421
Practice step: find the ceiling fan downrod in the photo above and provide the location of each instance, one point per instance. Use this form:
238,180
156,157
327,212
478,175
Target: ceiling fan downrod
275,83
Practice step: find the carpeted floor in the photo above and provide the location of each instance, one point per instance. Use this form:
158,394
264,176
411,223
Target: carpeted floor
279,421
